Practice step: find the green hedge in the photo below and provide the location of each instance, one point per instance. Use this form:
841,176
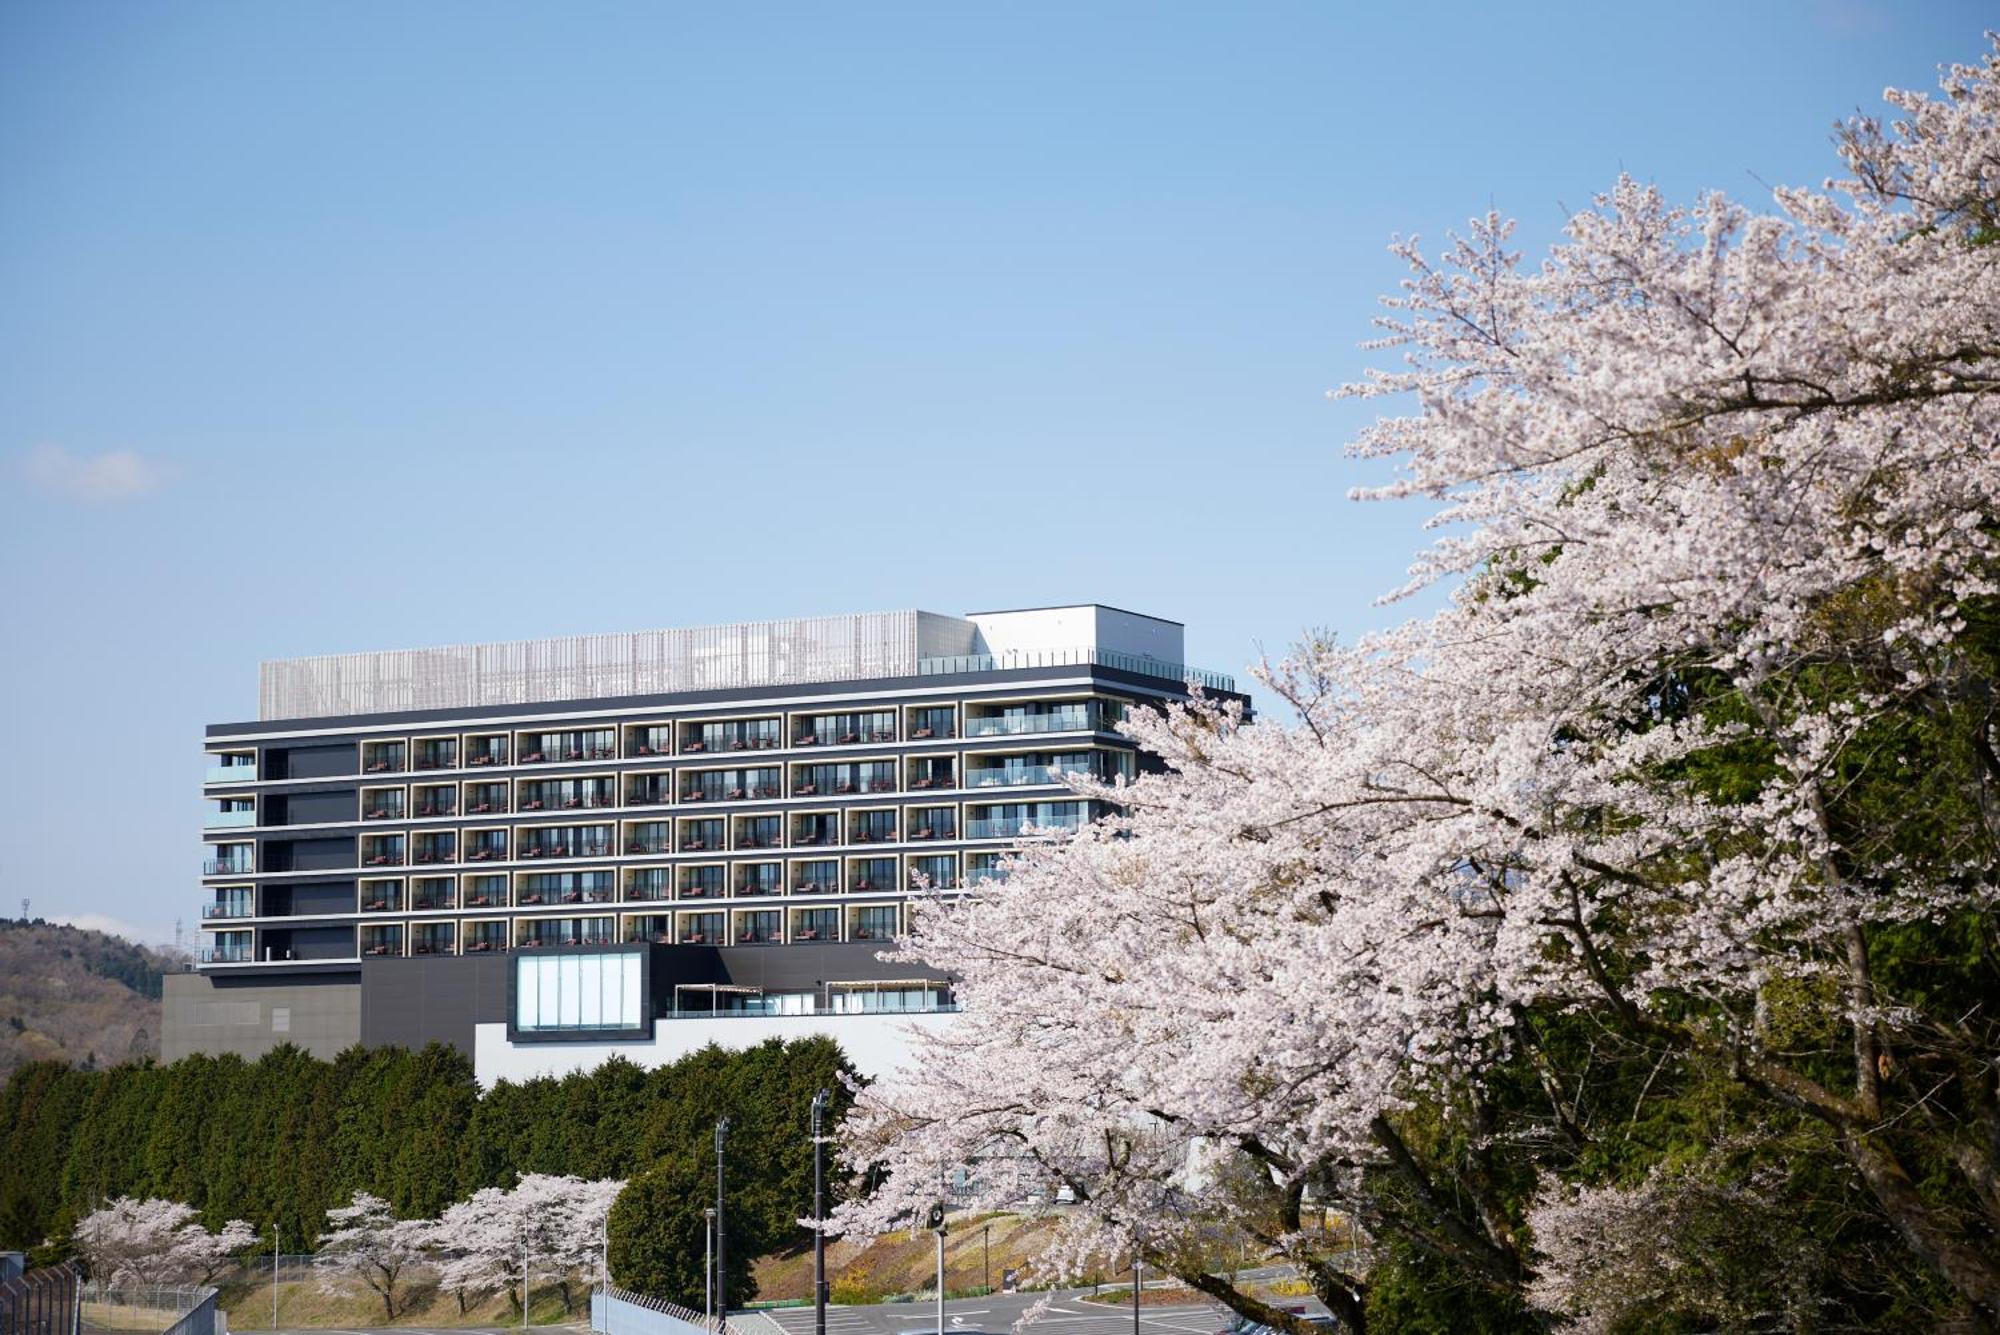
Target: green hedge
284,1137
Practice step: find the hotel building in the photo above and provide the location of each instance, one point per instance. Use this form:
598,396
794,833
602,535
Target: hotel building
544,852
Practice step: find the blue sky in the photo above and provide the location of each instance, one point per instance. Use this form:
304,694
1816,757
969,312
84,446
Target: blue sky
333,327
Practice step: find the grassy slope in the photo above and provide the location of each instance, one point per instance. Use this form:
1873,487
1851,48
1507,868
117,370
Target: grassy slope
898,1263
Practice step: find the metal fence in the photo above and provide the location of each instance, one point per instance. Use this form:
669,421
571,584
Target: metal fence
41,1302
168,1309
617,1312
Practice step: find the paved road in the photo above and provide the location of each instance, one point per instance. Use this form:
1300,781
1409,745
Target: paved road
992,1315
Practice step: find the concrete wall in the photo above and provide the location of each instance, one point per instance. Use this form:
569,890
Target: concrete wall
217,1014
878,1045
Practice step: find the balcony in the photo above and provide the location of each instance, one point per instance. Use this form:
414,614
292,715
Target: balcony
381,901
437,807
481,751
237,866
1012,776
1012,827
229,954
1081,718
229,820
233,909
232,771
437,756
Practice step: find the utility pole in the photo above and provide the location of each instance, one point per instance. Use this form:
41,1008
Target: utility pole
986,1236
1138,1270
708,1267
819,1215
274,1274
937,1227
721,1234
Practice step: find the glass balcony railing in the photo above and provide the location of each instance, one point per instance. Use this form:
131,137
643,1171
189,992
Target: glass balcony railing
1079,657
226,867
228,820
230,954
1080,719
226,773
1009,827
233,909
1012,776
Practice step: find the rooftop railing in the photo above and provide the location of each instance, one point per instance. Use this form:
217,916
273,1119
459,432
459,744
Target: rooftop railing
1079,657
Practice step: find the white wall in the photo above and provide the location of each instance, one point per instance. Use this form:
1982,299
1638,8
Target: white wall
877,1044
1089,626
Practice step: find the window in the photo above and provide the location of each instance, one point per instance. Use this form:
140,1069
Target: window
872,874
862,1001
873,922
581,993
937,872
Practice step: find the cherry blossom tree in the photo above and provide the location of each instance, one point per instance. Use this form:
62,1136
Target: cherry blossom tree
547,1226
152,1241
365,1241
1701,753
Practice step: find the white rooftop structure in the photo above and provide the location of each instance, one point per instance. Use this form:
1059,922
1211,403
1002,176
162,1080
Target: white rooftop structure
860,646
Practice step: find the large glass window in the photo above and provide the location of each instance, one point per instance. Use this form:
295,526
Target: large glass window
485,892
650,883
757,927
867,1000
701,836
937,872
872,874
599,991
703,882
873,922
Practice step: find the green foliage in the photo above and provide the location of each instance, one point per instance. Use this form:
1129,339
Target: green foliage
659,1233
1413,1292
279,1140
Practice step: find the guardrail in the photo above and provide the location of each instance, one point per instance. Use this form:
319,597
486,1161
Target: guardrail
617,1312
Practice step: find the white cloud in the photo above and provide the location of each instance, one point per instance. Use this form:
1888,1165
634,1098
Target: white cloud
115,475
104,922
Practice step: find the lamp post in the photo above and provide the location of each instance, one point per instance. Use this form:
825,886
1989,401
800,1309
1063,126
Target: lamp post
819,1216
937,1227
708,1266
986,1269
274,1274
1138,1270
721,1234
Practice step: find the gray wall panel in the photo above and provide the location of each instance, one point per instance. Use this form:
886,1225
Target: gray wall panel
217,1015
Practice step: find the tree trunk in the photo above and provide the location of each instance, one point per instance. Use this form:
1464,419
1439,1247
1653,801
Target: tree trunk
1972,1274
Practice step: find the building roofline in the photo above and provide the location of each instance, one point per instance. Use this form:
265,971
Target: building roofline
1064,607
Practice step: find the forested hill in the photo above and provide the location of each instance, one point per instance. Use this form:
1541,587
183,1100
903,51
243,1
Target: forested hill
75,995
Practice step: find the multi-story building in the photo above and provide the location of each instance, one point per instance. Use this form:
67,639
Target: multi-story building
543,852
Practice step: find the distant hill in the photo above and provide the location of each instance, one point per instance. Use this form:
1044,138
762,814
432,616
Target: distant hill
76,995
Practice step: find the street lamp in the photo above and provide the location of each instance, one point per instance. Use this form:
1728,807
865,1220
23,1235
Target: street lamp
985,1236
819,1217
937,1227
1138,1270
708,1266
721,1234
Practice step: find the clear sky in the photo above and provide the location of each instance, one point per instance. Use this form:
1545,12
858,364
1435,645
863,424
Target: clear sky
328,327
